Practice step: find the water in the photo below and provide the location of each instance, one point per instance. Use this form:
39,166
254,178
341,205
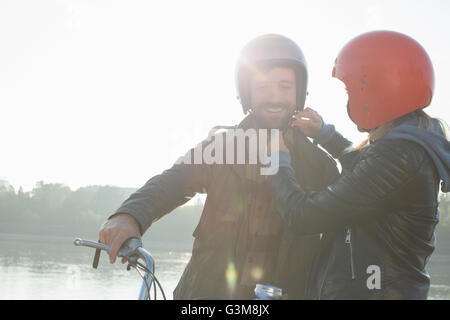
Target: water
439,269
45,267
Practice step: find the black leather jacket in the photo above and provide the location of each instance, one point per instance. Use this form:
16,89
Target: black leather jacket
377,220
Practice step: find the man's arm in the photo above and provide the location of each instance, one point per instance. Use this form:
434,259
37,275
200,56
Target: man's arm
165,192
159,196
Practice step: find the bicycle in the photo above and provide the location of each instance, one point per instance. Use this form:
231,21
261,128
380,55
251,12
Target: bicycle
132,251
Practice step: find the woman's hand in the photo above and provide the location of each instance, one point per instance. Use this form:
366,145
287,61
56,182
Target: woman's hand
309,122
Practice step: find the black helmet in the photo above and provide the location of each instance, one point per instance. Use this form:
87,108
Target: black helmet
271,49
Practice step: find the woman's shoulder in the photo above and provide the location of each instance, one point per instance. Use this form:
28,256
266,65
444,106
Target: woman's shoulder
397,152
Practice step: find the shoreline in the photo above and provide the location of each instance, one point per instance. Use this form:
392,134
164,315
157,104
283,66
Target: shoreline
65,239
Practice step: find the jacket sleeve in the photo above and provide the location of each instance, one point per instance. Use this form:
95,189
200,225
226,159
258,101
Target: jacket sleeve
358,194
332,141
165,192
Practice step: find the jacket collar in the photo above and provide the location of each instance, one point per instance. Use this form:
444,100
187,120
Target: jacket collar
244,170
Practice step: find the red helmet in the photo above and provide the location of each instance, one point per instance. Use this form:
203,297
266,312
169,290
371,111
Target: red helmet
387,74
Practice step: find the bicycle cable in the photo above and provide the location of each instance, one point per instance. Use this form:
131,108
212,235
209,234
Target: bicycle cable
143,278
153,278
138,266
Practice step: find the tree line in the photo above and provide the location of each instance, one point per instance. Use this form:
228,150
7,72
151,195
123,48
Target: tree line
55,209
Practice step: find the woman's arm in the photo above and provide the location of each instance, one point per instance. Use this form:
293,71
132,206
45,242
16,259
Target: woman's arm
356,195
332,141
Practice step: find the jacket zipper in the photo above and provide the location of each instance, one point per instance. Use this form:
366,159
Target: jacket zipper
348,240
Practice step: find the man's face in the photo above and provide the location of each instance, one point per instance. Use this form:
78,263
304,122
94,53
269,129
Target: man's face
273,96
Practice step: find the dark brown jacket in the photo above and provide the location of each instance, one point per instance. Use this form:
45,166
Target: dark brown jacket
220,256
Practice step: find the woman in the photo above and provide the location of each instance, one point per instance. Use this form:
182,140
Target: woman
377,221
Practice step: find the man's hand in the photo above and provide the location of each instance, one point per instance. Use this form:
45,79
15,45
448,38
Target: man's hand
309,122
116,231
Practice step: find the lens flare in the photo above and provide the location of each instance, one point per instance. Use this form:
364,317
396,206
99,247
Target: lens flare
231,276
257,273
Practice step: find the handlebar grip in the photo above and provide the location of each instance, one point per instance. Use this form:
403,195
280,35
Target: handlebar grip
129,247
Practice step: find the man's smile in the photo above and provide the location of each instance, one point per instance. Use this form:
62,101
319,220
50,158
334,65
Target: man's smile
274,109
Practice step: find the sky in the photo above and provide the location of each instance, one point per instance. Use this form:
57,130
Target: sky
113,92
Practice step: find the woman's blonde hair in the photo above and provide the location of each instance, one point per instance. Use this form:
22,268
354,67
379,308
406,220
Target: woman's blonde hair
425,121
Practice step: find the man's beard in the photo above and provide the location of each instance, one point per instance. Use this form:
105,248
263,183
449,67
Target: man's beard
262,122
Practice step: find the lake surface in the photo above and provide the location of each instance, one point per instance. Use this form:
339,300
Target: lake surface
45,267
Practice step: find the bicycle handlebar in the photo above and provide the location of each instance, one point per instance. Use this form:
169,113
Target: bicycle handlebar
131,250
91,244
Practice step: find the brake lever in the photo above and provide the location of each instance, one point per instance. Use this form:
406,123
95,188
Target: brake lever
96,258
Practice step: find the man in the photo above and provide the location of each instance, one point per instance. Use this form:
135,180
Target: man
240,241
